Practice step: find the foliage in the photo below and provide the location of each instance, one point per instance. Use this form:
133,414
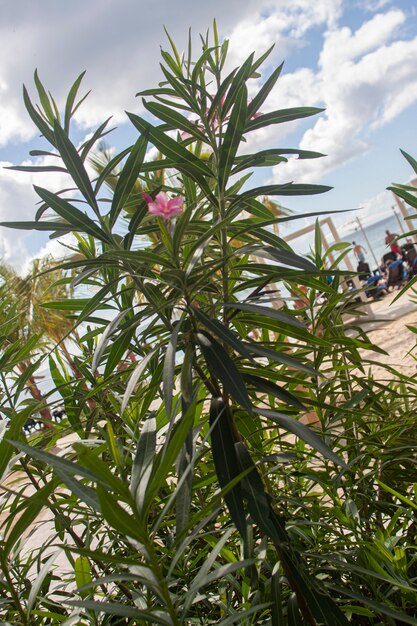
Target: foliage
190,490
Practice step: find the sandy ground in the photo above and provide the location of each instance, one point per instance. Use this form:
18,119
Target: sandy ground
393,335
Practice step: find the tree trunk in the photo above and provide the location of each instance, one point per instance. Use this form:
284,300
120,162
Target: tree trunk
36,393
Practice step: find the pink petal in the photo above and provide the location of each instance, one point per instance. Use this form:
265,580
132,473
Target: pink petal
155,209
171,212
176,203
161,199
147,197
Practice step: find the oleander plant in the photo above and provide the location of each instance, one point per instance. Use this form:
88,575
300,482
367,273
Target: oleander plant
224,458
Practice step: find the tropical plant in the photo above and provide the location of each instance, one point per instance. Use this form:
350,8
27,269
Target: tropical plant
193,493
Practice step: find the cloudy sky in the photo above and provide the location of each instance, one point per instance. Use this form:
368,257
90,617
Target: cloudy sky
356,58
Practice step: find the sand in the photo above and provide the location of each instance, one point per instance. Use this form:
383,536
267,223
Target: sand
393,336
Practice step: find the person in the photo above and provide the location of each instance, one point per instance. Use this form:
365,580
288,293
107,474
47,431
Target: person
396,272
359,251
363,270
390,240
375,286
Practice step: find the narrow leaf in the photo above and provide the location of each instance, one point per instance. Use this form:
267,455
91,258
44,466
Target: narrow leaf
134,379
128,177
169,369
74,216
75,166
225,461
278,117
268,311
303,432
222,366
233,136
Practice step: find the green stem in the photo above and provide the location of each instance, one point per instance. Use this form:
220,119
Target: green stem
153,560
13,592
69,529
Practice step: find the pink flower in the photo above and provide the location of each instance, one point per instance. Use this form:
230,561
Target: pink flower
164,206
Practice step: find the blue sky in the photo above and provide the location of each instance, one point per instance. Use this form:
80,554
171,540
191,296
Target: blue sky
358,59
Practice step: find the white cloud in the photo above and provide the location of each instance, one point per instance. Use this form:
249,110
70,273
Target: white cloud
364,81
117,43
282,24
56,249
373,5
18,203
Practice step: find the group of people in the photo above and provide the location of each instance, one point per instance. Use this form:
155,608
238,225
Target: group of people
396,266
390,241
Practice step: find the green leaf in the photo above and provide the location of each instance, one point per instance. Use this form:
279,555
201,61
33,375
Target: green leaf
44,99
66,305
98,134
225,461
91,460
39,580
278,117
286,257
177,436
61,227
380,609
75,166
37,119
83,492
222,366
118,349
36,168
124,610
32,507
266,386
294,615
264,91
233,136
410,159
110,167
82,572
135,377
72,94
175,120
268,158
74,216
119,518
147,257
222,332
405,195
219,96
143,461
268,311
13,432
54,461
303,432
169,369
185,161
241,76
128,177
258,502
288,189
398,495
106,337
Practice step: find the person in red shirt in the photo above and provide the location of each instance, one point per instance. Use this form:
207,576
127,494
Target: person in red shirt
390,241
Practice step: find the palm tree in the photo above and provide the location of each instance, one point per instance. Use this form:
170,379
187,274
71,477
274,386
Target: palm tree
25,296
